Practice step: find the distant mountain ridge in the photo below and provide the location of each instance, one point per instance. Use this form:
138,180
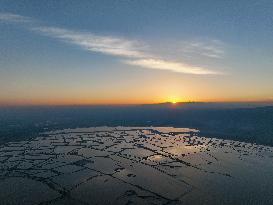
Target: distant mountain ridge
210,105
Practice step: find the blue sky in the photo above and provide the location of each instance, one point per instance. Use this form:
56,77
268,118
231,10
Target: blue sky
84,52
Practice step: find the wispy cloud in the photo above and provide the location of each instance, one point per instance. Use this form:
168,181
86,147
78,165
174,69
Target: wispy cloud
14,18
170,65
205,47
131,52
91,42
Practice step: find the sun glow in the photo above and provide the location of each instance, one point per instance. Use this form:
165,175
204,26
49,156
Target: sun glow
174,100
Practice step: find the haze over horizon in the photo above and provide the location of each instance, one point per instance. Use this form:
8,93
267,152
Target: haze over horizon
172,104
135,52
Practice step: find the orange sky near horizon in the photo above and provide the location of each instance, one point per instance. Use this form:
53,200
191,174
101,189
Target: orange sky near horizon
153,87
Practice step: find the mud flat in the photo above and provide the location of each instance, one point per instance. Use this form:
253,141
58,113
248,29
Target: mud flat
134,165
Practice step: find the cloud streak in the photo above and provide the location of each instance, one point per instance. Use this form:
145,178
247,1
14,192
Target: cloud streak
14,18
91,42
170,65
131,52
205,47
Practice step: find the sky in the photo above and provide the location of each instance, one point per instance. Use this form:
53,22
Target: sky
131,52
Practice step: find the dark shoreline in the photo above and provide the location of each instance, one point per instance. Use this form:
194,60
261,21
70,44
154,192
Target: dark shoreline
253,125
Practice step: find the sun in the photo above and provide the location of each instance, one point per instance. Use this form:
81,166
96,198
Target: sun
173,100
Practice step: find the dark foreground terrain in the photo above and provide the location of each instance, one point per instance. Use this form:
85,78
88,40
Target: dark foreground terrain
238,121
134,165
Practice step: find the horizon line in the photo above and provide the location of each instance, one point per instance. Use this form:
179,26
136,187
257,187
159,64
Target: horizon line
129,104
